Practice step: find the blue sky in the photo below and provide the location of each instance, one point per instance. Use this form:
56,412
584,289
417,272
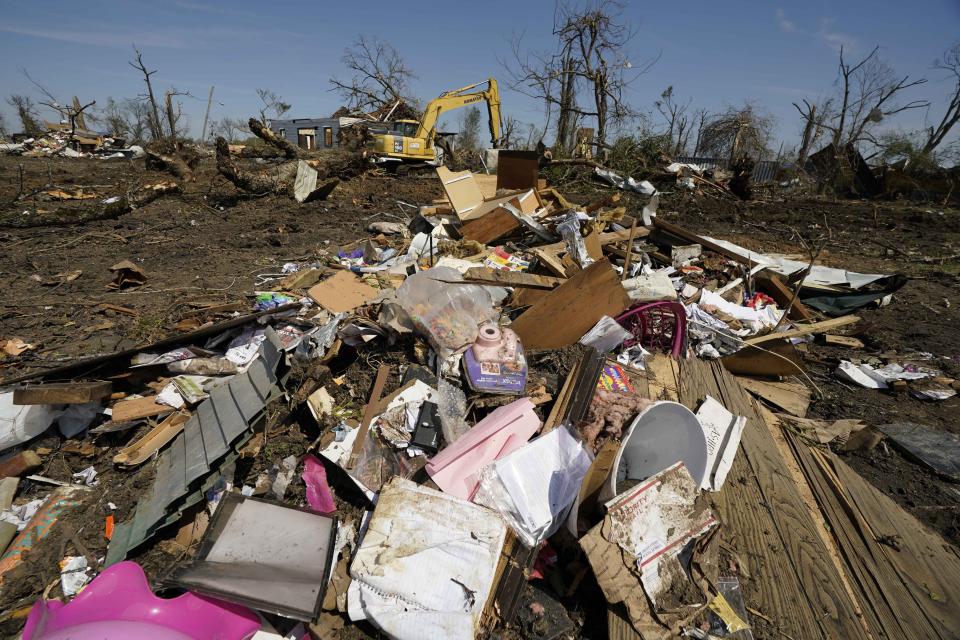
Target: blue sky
718,53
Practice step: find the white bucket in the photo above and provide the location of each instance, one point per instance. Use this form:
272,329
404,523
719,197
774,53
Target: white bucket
667,432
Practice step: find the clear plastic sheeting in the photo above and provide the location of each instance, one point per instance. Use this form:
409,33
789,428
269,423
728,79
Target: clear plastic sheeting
569,228
452,404
533,487
447,313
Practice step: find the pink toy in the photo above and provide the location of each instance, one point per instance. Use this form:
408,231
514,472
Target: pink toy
119,604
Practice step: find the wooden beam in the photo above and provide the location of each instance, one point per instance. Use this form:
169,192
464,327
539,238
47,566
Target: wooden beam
691,237
368,412
488,275
806,330
62,393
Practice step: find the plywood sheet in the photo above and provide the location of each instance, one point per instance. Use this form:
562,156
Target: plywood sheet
569,311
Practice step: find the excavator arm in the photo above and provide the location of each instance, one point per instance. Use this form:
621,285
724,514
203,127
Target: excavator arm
462,97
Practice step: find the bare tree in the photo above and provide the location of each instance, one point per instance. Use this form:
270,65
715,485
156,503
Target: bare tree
950,61
379,76
738,132
868,93
700,117
3,128
510,133
153,123
27,112
271,102
815,117
229,128
678,123
590,56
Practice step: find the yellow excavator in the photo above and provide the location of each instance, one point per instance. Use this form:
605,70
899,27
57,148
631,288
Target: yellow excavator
409,144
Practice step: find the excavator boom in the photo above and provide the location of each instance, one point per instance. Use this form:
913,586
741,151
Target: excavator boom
414,141
462,97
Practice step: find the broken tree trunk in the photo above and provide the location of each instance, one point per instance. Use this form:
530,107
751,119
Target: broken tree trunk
279,181
268,136
172,164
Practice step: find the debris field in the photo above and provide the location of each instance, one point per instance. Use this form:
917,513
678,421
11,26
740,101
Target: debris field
459,404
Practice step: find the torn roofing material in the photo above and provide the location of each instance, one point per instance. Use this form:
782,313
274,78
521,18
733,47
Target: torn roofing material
207,443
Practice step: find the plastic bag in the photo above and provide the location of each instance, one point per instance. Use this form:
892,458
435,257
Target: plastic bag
569,228
534,486
443,309
19,423
452,403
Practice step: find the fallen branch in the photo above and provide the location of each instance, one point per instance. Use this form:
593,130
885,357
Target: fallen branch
174,165
280,182
289,151
109,211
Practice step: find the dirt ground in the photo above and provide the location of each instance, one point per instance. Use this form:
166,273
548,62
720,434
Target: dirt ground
211,244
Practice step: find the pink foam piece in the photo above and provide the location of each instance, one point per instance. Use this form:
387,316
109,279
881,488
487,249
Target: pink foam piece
319,496
506,429
119,604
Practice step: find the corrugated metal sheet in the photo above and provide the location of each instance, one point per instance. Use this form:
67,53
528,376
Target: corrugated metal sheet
763,170
209,441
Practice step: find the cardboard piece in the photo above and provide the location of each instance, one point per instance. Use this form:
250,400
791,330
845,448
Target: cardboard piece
562,317
722,430
127,275
343,291
455,469
427,564
517,169
141,450
792,397
462,191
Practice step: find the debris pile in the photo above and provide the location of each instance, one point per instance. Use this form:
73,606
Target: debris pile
507,412
60,140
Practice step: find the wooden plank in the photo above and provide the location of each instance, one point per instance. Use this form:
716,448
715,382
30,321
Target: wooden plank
368,412
550,261
137,408
909,587
772,285
489,275
792,397
840,341
569,311
141,450
607,237
789,575
62,392
491,226
806,329
690,236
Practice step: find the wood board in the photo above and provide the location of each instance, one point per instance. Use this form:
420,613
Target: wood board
911,591
788,574
792,397
569,311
